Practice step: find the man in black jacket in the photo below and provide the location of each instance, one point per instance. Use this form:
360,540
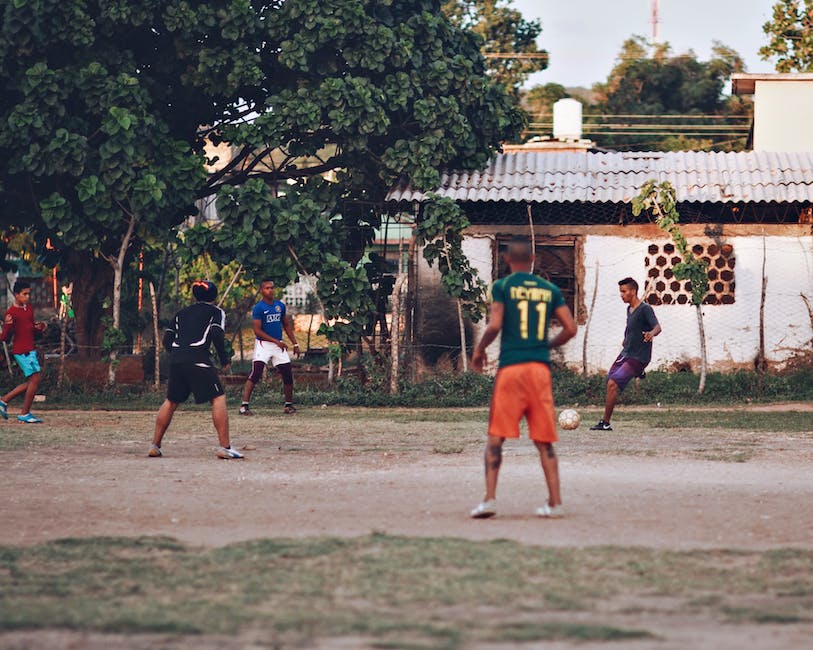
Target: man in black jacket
194,330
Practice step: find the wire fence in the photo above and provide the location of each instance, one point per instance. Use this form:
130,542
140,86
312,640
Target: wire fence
760,266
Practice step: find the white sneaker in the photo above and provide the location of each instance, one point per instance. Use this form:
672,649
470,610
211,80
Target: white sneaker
485,510
551,512
227,453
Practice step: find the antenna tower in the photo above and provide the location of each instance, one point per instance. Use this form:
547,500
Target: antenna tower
656,36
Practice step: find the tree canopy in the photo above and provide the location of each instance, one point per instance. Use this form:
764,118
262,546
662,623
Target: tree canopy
660,82
325,104
649,80
790,34
504,31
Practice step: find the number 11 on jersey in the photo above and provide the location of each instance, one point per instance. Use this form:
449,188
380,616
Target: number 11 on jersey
542,310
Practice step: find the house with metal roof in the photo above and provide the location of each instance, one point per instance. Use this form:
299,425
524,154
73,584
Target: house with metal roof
749,215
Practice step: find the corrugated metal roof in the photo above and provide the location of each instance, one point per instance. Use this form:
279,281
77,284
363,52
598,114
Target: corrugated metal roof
698,176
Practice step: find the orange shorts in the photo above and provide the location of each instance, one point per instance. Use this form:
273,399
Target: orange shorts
523,389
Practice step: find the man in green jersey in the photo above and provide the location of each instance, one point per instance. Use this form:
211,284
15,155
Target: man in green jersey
523,305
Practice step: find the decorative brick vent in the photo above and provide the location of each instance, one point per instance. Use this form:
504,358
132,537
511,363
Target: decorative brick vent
664,289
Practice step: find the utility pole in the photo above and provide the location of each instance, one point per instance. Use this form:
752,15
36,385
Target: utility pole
656,37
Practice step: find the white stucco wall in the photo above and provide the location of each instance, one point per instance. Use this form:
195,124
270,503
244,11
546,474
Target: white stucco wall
782,111
732,331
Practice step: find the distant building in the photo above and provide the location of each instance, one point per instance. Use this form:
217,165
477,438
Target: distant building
783,106
747,214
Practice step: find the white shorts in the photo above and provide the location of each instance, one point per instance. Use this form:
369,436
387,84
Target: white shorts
266,351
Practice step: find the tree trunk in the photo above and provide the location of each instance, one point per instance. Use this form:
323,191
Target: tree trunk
703,356
460,321
395,333
463,346
118,273
91,280
761,352
156,344
587,324
63,326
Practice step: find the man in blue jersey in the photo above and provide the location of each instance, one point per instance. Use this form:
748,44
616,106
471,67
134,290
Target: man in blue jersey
269,320
522,307
194,330
636,352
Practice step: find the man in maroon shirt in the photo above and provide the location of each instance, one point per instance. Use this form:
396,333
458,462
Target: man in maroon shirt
20,324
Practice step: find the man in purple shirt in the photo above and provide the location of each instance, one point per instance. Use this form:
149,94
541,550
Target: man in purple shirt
642,327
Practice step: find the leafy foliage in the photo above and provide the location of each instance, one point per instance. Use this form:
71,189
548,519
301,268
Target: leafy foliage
540,99
790,34
660,199
649,80
503,30
439,232
106,102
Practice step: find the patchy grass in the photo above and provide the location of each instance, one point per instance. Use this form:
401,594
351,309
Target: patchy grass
398,591
706,434
468,389
529,632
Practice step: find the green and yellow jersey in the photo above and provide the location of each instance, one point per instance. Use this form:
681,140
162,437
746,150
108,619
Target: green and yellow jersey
529,303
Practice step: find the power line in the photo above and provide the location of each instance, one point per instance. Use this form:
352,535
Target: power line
515,55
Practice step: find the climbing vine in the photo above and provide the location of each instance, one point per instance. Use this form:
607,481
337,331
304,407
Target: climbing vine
661,200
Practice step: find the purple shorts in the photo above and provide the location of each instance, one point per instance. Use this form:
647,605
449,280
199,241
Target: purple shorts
623,370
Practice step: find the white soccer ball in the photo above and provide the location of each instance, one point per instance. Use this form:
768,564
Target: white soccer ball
569,419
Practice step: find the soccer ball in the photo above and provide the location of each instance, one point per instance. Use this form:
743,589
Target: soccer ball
569,419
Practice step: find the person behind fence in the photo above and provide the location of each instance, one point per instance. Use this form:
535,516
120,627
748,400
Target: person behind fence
636,351
269,320
194,330
20,324
522,307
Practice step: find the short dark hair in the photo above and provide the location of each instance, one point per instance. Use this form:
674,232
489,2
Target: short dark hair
628,281
19,285
520,250
266,279
204,291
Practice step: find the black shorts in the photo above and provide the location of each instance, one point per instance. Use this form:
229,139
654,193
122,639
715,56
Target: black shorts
185,378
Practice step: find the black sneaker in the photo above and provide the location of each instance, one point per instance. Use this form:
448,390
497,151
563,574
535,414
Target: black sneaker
244,410
601,426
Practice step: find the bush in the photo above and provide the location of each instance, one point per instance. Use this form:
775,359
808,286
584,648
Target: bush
469,389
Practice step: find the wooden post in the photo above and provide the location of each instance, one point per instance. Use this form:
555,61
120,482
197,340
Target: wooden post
761,352
231,284
395,333
156,343
587,324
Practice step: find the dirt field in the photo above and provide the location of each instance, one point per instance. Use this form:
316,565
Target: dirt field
346,473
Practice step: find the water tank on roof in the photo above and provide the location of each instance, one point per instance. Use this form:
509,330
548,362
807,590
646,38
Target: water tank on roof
567,119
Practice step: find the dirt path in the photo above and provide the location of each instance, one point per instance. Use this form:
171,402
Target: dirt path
352,472
620,488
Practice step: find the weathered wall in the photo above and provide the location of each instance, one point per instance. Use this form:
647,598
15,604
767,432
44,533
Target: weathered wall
436,328
732,331
782,111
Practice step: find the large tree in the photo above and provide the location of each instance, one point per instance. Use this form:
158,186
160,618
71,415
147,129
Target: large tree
650,80
790,34
105,100
539,100
509,40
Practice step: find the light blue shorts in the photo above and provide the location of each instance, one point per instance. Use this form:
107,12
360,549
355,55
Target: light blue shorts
28,363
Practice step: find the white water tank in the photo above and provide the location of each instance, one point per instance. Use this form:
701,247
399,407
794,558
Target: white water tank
567,119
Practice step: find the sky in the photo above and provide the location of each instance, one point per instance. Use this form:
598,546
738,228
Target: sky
584,37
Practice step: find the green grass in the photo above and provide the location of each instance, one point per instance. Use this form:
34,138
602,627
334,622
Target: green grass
471,389
731,420
700,433
398,591
529,632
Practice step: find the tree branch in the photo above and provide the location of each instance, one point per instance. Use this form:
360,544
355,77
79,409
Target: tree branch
276,175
